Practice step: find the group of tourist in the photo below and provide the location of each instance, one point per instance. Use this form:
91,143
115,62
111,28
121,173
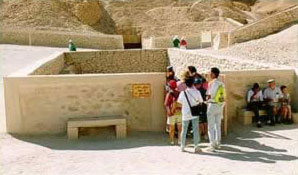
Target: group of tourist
179,43
275,100
193,99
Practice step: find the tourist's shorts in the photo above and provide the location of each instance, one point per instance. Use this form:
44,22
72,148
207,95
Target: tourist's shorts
276,105
175,119
203,118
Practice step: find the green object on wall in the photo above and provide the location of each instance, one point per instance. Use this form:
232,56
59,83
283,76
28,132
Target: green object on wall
72,47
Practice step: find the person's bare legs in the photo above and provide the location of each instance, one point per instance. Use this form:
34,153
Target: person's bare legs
284,112
201,128
179,127
205,129
290,112
171,133
275,113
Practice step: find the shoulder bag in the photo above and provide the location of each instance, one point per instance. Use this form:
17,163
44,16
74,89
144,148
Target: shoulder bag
195,110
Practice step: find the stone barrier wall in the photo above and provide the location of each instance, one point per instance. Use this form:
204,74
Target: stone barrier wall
185,28
60,39
266,26
193,42
118,61
180,59
295,99
50,67
42,104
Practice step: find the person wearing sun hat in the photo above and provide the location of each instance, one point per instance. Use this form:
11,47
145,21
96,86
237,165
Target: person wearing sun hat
272,94
173,109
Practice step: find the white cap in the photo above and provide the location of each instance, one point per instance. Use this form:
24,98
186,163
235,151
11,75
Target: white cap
271,81
70,41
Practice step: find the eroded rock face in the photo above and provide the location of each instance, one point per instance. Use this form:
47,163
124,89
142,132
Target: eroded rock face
88,11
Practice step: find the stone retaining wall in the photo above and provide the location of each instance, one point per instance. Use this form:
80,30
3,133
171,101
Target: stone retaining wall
185,28
60,39
193,42
50,67
180,59
43,104
118,61
266,26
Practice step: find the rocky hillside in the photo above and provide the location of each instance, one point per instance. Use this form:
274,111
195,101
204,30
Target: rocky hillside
62,15
127,16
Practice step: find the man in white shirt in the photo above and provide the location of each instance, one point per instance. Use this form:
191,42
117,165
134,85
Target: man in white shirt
215,98
254,102
189,97
272,94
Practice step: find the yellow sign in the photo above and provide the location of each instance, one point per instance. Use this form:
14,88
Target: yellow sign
141,90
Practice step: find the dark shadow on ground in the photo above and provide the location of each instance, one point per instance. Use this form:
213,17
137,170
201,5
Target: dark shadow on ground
107,142
241,137
251,156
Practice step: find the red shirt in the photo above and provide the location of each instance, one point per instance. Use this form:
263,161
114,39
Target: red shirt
171,99
183,43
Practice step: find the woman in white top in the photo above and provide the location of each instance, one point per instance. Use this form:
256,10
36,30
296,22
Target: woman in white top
255,100
189,97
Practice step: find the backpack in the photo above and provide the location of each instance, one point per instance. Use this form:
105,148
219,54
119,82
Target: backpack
220,94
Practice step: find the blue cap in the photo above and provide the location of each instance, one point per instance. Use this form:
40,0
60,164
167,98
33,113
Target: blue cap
198,81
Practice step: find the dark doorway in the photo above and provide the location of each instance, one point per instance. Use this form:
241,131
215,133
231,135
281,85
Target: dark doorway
132,45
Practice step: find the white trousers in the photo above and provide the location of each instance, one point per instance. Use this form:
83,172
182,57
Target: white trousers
214,116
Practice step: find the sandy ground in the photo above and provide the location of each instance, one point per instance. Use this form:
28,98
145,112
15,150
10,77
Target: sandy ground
246,151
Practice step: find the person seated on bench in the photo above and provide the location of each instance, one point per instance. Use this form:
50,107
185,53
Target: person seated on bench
255,102
285,106
271,96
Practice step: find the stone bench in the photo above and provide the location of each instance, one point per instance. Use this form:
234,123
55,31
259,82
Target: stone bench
295,117
245,116
74,124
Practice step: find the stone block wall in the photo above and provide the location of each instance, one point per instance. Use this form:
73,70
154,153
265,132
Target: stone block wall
193,42
180,59
43,104
117,61
185,28
50,67
295,98
265,26
60,39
